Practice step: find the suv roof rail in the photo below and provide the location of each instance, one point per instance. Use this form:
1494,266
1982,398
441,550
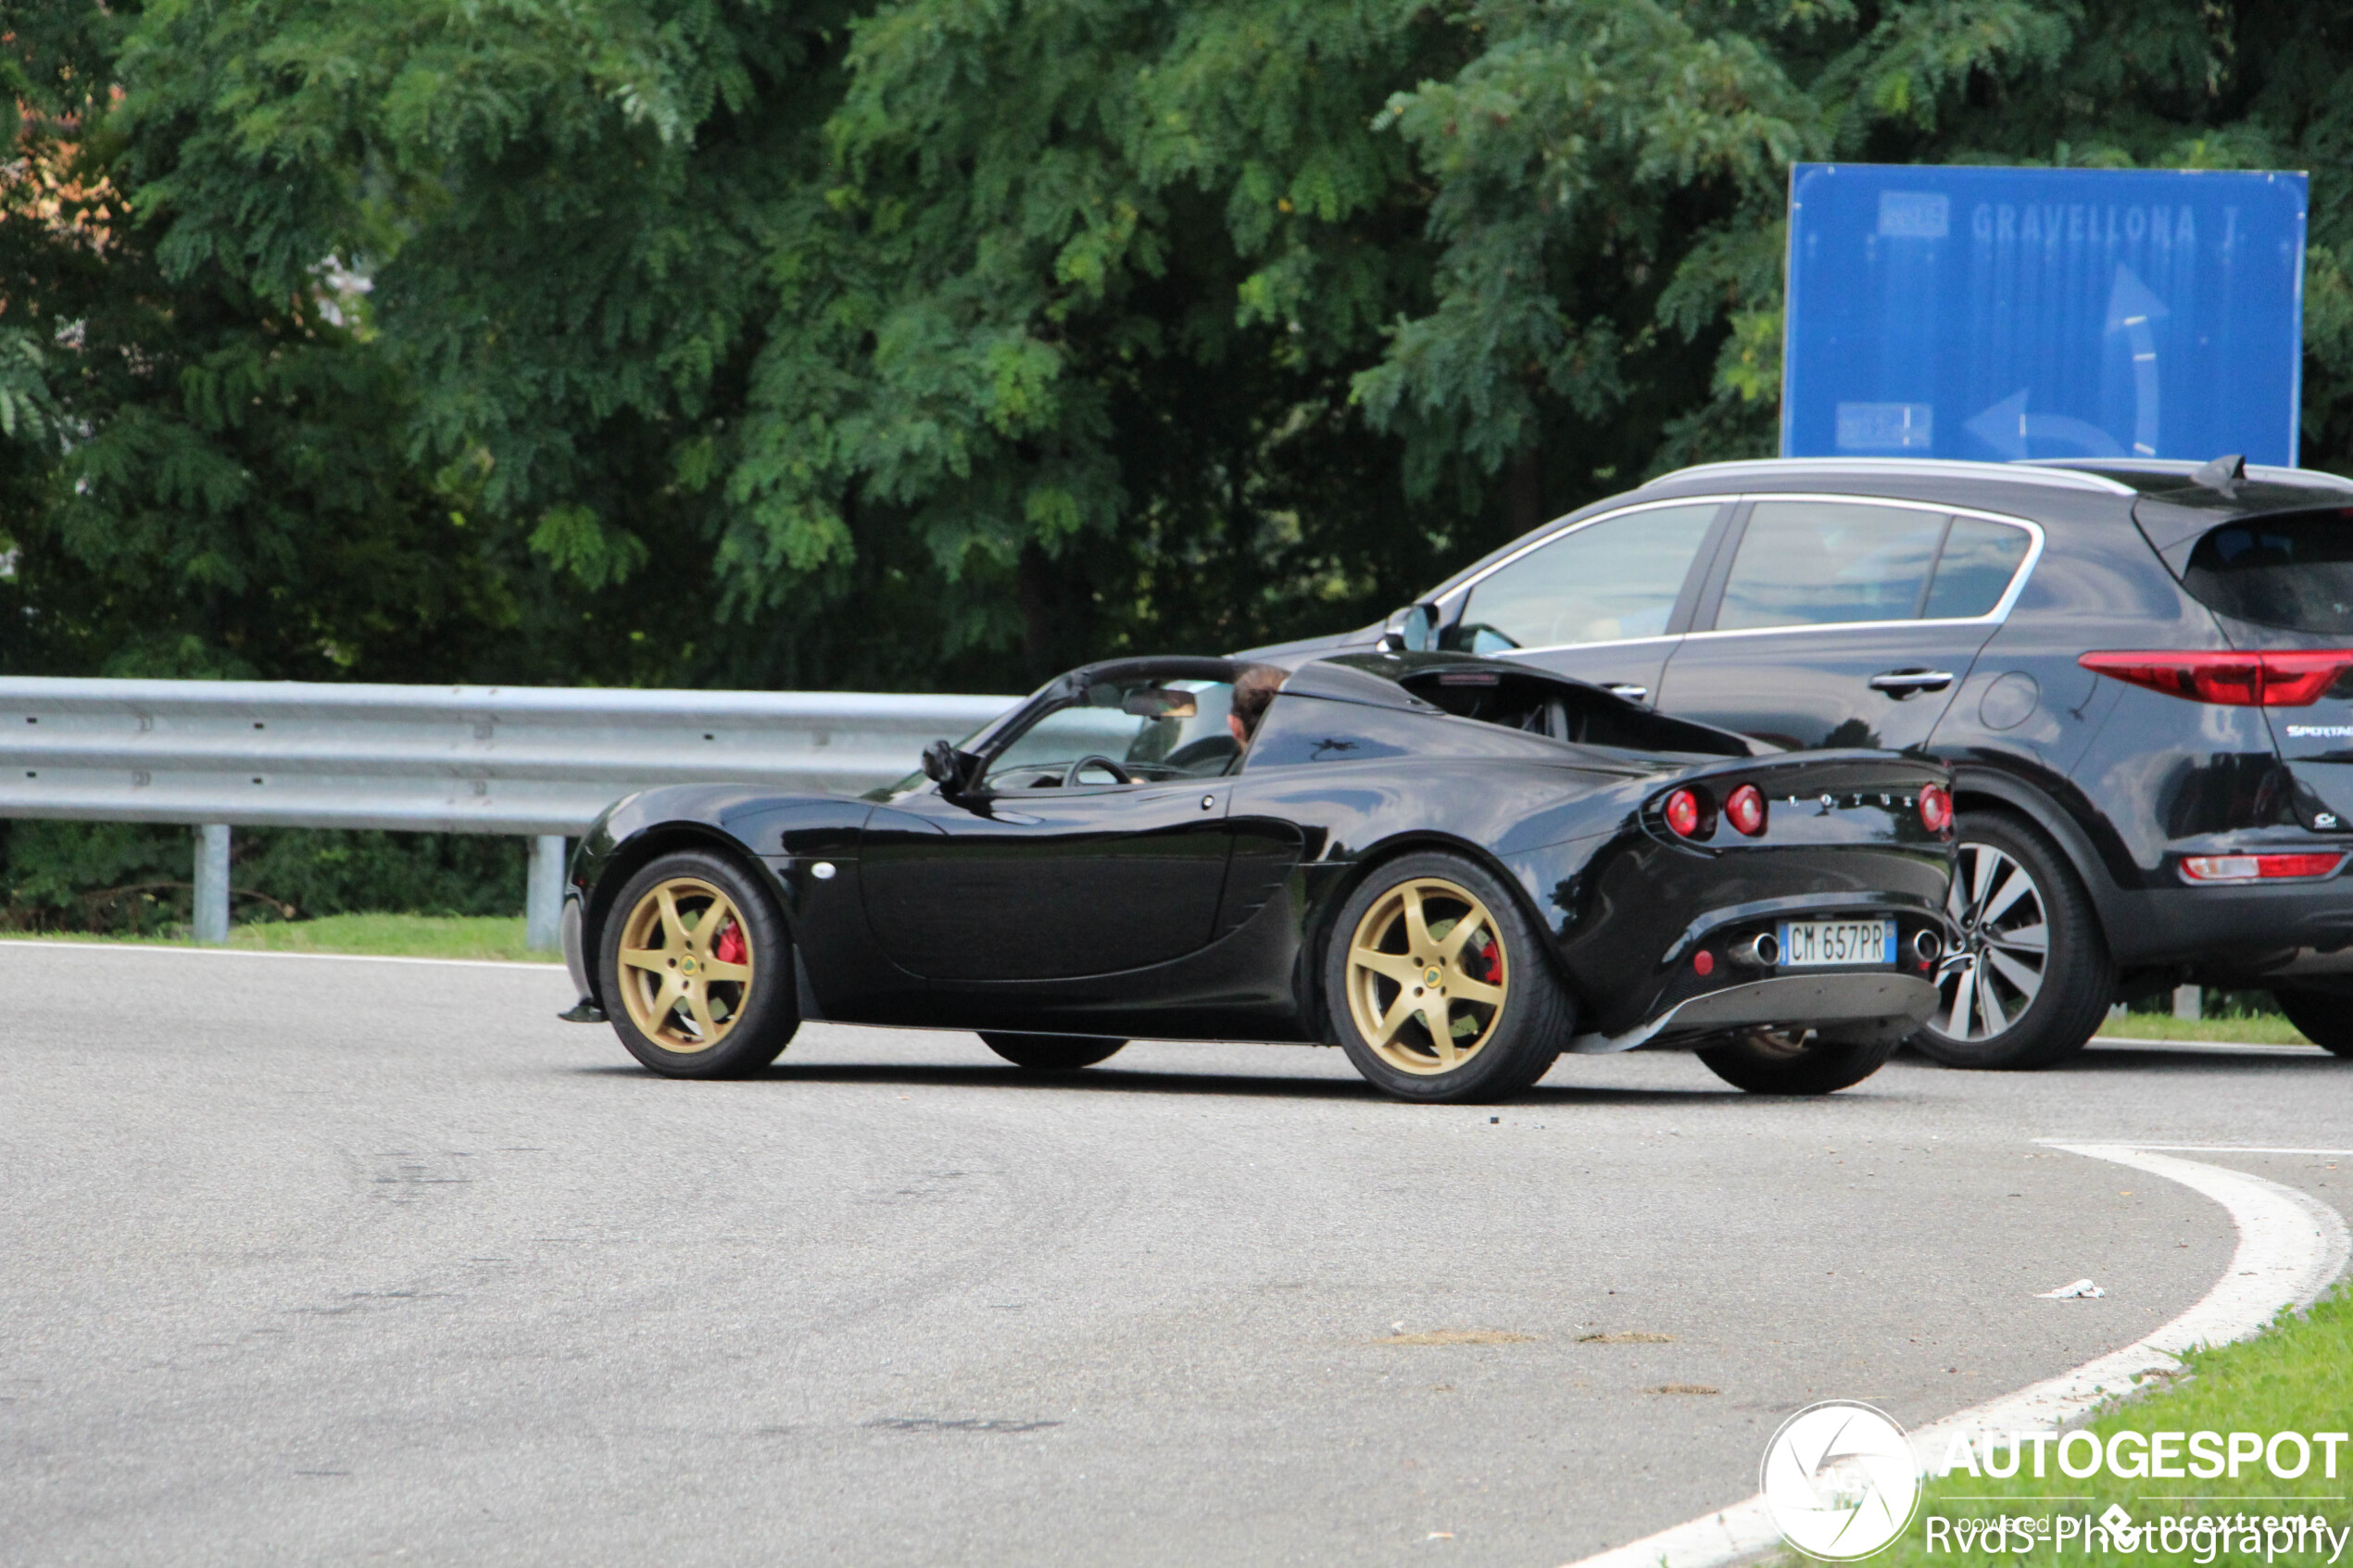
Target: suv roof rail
1899,467
2270,472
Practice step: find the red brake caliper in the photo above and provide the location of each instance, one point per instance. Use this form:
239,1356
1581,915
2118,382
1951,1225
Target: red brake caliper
1491,960
729,947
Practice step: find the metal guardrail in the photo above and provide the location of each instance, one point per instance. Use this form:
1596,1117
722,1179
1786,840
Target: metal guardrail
534,761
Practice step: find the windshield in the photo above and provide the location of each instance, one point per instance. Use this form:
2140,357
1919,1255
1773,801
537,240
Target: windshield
1150,729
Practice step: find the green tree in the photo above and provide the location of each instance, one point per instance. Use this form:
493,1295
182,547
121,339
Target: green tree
913,343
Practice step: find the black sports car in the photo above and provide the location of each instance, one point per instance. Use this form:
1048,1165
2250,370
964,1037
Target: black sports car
1453,868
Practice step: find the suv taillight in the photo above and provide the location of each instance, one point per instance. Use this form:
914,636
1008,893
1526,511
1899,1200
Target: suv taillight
2276,679
2260,868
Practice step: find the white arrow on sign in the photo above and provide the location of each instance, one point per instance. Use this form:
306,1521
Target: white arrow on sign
2131,309
2008,429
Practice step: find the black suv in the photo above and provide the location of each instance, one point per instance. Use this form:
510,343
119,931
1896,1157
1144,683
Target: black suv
2141,672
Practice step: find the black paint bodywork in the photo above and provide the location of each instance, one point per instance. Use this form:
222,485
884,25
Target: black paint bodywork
2127,782
1199,908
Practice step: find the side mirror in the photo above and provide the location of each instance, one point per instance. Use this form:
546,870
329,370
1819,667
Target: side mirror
950,768
1411,630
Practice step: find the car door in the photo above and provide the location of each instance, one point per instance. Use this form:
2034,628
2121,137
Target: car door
1055,868
1604,600
1835,621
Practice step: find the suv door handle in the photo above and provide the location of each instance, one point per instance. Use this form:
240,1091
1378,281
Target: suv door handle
1904,682
1627,689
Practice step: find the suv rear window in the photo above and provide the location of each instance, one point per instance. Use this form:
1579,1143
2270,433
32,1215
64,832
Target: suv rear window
2294,570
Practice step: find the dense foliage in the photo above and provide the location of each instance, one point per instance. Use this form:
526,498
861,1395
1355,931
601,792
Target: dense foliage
939,344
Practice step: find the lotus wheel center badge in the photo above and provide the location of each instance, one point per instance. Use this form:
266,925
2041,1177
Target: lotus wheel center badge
1432,978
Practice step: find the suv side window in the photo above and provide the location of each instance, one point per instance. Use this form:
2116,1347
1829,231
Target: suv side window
1813,563
1980,559
1604,581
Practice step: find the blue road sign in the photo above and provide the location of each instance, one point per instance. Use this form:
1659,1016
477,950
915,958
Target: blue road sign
2007,313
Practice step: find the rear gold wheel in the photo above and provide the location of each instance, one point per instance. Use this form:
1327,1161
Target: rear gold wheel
1436,986
1426,978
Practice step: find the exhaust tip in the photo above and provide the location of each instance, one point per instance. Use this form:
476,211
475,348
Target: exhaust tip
1927,945
1760,952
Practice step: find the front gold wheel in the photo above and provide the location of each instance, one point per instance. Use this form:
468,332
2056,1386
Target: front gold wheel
686,965
1426,976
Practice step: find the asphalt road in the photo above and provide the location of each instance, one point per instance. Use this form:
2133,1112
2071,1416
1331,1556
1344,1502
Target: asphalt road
317,1261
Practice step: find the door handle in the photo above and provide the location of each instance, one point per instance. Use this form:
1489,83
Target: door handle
1627,689
1904,682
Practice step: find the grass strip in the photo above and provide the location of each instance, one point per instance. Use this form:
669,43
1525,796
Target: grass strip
2295,1376
2253,1029
498,938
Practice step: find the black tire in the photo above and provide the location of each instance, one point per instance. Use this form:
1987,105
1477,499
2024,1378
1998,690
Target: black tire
1051,1053
2323,1017
2075,979
1510,1041
761,1011
1768,1061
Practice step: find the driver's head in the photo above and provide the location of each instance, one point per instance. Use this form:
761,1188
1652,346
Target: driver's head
1253,689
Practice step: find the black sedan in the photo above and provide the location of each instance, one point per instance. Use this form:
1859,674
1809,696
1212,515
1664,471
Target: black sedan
1453,868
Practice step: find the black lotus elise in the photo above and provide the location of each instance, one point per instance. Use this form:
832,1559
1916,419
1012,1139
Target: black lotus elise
1454,868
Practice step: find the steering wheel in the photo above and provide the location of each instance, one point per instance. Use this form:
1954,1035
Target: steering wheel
1120,774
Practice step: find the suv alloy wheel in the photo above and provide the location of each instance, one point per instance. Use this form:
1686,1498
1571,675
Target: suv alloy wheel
2032,977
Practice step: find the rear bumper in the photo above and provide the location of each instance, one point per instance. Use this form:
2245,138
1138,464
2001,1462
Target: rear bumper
1840,1002
1719,937
2239,935
2246,933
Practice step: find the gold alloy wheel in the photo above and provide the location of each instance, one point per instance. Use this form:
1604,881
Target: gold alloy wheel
686,965
1426,977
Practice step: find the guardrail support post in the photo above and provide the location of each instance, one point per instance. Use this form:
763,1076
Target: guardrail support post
544,895
212,885
2189,1001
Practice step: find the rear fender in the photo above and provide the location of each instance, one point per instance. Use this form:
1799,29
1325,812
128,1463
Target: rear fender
1322,922
1982,789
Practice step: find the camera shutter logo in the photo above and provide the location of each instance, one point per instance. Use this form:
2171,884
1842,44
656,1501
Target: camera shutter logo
1841,1480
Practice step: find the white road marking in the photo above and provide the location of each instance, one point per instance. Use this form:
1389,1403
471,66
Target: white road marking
2213,1148
2291,1246
2197,1048
536,967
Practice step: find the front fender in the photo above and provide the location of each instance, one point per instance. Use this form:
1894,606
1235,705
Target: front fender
772,834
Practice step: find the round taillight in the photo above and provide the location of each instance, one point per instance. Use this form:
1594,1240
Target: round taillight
1682,812
1745,810
1936,810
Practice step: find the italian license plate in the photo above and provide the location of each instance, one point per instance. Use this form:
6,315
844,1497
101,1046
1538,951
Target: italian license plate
1807,944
